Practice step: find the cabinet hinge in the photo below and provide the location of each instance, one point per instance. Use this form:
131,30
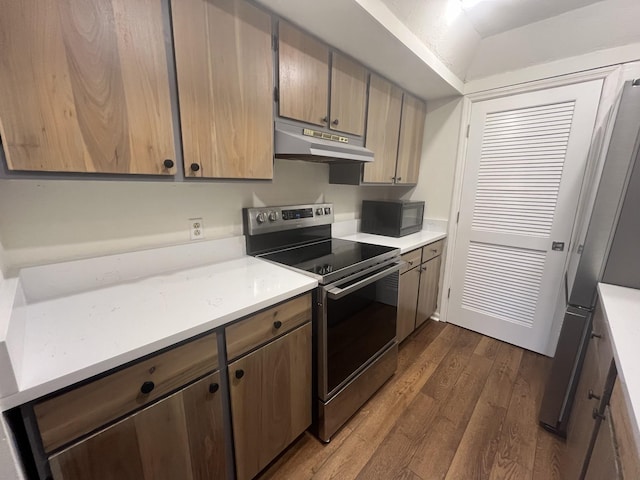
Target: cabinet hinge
276,94
449,293
274,43
468,128
458,217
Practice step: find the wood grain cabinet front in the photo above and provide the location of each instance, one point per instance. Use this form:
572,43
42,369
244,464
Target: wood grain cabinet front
348,95
270,399
418,288
408,289
383,130
589,397
265,326
395,130
224,66
410,142
305,93
180,437
429,287
85,87
303,76
65,417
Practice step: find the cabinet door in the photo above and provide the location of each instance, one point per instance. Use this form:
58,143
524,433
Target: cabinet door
303,76
407,303
270,399
178,437
225,84
428,297
581,423
383,130
411,134
603,462
85,87
624,433
204,417
348,95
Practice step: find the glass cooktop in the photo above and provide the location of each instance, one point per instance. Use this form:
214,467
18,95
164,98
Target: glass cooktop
327,257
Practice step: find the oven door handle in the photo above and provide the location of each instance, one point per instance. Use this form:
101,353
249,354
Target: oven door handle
334,293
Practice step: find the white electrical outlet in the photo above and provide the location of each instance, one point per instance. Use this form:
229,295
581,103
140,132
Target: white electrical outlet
196,229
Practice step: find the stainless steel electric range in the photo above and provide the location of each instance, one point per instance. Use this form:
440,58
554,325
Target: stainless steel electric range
355,305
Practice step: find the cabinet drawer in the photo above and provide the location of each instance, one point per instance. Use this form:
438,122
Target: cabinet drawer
267,325
432,250
412,258
65,417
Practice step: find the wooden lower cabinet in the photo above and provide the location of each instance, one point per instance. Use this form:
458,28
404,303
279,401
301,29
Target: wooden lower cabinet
418,288
603,464
428,295
590,391
181,437
270,399
408,289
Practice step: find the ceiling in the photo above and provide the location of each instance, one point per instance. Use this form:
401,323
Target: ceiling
490,17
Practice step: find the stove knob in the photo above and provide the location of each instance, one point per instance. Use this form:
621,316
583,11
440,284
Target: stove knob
261,217
319,211
273,216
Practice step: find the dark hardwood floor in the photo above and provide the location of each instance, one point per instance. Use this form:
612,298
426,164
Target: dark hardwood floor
460,406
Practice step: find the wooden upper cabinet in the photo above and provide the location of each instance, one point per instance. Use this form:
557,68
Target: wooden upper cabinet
224,66
383,129
348,95
85,87
303,76
411,135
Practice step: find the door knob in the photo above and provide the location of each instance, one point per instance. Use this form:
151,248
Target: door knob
593,395
557,246
213,388
239,374
195,167
168,163
336,122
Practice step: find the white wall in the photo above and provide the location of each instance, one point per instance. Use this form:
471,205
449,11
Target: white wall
2,261
54,220
599,26
439,150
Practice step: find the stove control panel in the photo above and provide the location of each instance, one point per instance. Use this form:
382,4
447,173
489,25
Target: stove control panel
261,220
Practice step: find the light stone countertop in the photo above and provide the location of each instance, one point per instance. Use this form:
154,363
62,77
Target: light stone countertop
75,337
405,244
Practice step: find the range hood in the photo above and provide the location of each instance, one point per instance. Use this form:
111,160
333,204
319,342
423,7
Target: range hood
296,142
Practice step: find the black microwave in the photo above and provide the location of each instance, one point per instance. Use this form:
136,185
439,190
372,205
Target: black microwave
392,218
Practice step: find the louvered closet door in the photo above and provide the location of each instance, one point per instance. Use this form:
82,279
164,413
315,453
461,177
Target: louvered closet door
525,162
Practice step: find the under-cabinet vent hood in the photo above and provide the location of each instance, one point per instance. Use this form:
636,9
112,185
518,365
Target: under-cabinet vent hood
296,142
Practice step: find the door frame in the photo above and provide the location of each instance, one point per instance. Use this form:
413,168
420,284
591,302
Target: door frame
612,87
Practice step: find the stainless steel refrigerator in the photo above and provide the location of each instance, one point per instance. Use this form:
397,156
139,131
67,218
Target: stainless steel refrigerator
609,252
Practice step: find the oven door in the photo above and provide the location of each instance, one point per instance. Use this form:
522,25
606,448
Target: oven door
357,322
